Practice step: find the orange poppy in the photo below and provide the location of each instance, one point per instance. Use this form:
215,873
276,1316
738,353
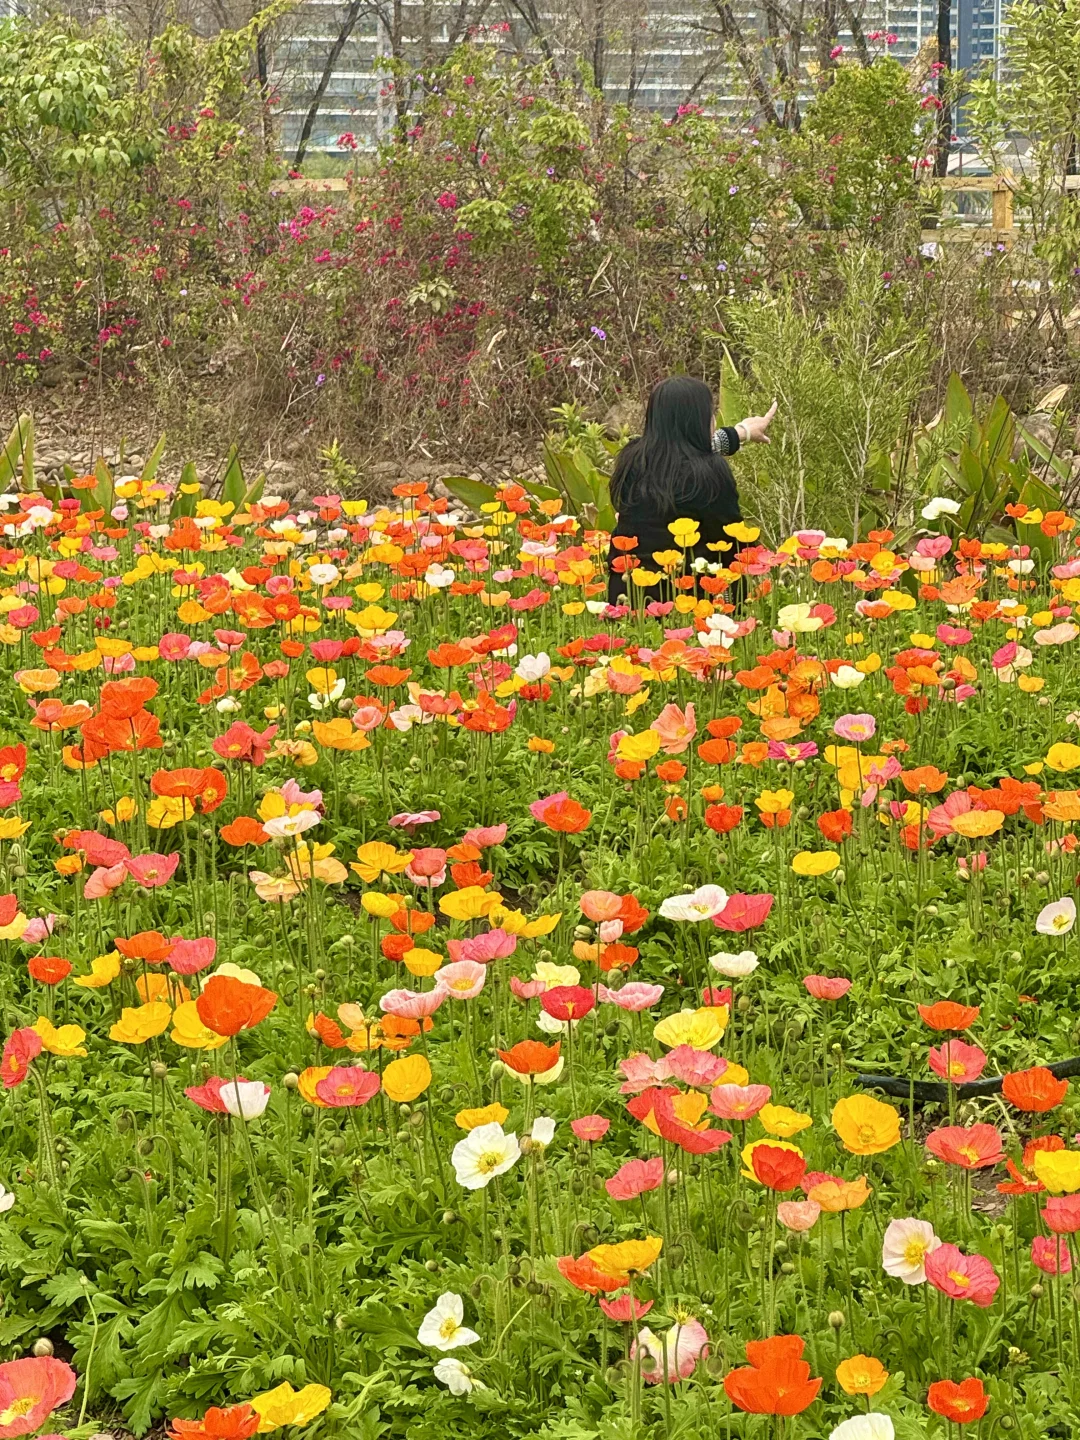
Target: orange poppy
948,1015
148,945
228,1006
531,1057
1034,1091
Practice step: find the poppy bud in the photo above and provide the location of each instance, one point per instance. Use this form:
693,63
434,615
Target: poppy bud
1036,1292
1042,878
496,1070
647,1363
837,1319
335,1145
159,1069
42,1347
449,1217
291,1080
1006,1422
743,1004
146,1147
839,876
787,1268
320,974
431,1266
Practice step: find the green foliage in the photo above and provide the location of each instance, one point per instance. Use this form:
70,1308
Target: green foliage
858,151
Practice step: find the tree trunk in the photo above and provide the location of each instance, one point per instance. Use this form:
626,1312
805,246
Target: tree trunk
944,55
348,25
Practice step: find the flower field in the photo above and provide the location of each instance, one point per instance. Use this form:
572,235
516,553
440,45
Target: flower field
437,1003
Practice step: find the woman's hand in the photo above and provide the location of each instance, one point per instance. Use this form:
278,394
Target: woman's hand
756,427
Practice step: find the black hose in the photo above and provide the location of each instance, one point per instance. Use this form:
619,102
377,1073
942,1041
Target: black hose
926,1091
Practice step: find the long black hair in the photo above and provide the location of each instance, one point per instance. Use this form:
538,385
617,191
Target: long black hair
673,461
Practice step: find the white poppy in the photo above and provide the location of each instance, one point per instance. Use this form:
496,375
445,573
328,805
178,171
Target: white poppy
865,1427
7,1200
1057,918
735,967
701,904
939,506
283,827
531,668
324,574
484,1153
457,1377
543,1130
905,1247
441,1327
847,677
245,1099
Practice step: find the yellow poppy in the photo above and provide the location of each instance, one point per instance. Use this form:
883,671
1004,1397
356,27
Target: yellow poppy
701,1029
866,1126
190,1032
377,858
628,1257
815,862
66,1040
141,1023
103,971
286,1406
779,1120
406,1077
486,1115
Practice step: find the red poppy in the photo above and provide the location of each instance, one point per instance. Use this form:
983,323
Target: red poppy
777,1380
744,912
1035,1091
48,969
723,818
961,1403
948,1015
835,825
779,1169
567,1002
194,784
228,1006
585,1275
235,1423
21,1047
123,699
625,1308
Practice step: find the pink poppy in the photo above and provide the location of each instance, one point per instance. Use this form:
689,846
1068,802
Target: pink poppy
347,1085
523,989
411,820
676,728
957,1062
99,849
484,836
798,1215
640,1071
972,864
1051,1255
954,635
962,1277
101,882
738,1102
427,868
411,1004
635,996
38,929
636,1178
208,1095
620,1308
1062,1214
827,987
462,980
600,905
608,931
30,1390
188,957
683,1345
152,870
855,728
744,912
490,945
174,646
696,1068
368,717
590,1127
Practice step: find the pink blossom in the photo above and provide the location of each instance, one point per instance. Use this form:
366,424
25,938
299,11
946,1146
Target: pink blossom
640,1071
412,1004
1051,1255
188,957
484,836
962,1277
411,820
683,1345
524,989
798,1215
738,1102
635,1178
600,905
462,980
620,1308
151,870
696,1068
855,728
37,929
827,987
104,880
427,868
636,995
489,945
590,1127
676,728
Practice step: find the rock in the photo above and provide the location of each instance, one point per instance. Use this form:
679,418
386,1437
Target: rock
623,415
385,469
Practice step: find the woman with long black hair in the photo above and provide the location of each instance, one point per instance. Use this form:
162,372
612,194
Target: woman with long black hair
678,469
